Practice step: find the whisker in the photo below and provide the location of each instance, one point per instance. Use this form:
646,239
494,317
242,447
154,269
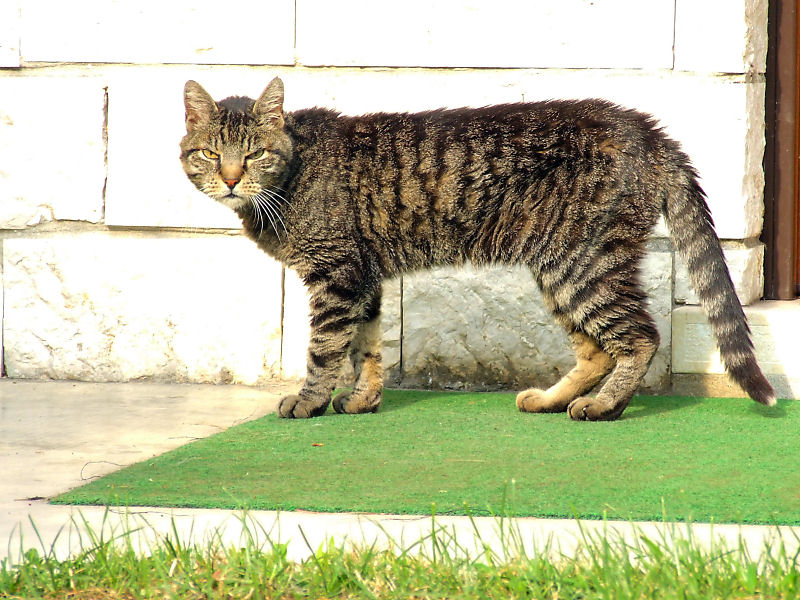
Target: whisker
278,216
273,194
273,210
263,203
262,213
278,197
258,217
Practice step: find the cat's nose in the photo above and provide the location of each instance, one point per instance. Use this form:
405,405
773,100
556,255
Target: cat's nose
231,183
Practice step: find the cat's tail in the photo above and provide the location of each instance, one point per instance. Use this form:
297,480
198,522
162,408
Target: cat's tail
692,231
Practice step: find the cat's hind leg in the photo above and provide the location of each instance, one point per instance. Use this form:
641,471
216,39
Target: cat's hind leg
596,291
592,365
633,357
365,354
625,330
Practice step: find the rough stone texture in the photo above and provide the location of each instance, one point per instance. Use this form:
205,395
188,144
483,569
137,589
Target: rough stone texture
99,307
296,330
728,36
487,328
657,269
483,328
746,266
504,33
774,332
392,325
51,150
751,217
153,31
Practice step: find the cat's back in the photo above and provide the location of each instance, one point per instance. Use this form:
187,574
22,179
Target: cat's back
444,186
540,121
531,137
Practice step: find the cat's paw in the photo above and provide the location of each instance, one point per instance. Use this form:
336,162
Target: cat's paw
593,409
539,401
358,401
300,407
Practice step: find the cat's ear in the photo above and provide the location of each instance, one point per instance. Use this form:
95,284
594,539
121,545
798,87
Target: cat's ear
200,107
269,106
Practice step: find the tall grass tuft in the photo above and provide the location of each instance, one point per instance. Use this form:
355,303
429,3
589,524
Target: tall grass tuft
606,565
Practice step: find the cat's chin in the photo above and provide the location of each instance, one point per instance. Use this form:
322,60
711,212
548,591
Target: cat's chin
232,201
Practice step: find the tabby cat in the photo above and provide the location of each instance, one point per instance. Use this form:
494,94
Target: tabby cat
569,188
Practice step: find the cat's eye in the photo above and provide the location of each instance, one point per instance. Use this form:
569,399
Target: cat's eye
210,154
256,155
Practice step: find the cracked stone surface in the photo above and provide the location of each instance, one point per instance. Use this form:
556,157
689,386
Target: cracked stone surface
488,328
101,307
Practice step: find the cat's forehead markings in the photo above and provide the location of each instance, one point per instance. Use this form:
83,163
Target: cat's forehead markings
233,126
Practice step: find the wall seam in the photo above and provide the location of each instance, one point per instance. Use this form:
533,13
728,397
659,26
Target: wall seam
105,152
674,30
2,312
401,367
283,321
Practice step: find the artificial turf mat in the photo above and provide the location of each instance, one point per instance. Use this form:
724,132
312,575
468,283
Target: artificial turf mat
720,460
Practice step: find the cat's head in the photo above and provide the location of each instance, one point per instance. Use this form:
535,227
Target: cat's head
237,148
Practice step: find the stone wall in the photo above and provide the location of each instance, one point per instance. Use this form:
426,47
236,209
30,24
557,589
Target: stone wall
115,268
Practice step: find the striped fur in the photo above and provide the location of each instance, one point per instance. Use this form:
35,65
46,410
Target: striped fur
569,188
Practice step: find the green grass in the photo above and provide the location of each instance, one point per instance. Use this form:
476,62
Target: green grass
718,460
605,566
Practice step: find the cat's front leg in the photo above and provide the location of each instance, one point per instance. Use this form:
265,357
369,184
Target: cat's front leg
336,312
326,353
365,354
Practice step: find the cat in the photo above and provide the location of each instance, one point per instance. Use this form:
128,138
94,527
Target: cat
570,188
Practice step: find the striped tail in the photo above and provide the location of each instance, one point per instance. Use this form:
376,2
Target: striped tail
692,232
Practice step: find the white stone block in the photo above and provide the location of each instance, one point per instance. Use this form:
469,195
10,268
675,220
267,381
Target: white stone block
146,184
721,36
296,330
153,32
51,150
392,327
9,33
746,266
488,328
102,307
503,33
657,282
774,327
296,327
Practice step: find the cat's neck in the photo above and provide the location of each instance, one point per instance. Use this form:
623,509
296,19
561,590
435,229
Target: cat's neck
308,125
